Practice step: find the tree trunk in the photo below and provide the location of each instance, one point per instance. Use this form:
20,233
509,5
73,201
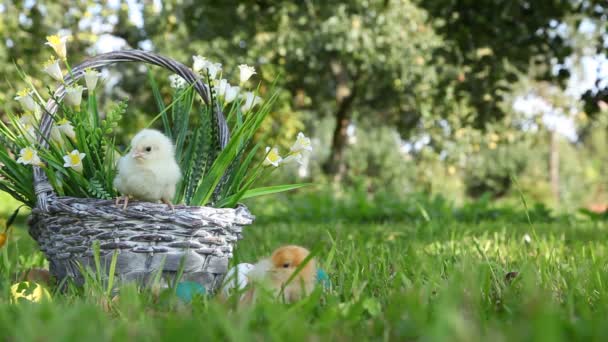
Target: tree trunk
345,95
335,164
554,166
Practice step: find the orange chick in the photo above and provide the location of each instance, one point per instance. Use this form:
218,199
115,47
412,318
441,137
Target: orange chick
275,272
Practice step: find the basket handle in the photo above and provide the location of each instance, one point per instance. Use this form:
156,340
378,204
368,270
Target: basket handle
43,189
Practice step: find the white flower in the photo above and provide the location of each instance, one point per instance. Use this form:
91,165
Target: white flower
27,101
73,95
90,78
29,119
199,63
294,157
251,100
203,66
29,156
56,136
272,157
527,239
226,91
29,133
26,125
231,93
58,44
213,69
245,72
66,128
74,160
220,88
52,68
302,144
177,82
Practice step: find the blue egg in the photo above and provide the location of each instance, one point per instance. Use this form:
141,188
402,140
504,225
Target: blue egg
323,278
185,290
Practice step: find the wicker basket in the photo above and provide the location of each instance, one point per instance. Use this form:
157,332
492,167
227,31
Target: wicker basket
147,237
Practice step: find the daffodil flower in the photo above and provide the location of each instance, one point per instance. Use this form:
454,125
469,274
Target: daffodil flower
58,44
177,82
26,125
29,119
66,128
26,100
52,68
29,133
74,160
226,91
251,100
272,157
302,144
90,78
199,63
73,95
29,156
220,88
232,92
214,69
245,72
294,157
202,65
56,136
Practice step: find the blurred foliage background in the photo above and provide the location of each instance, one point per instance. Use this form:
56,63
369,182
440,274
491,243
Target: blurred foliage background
455,99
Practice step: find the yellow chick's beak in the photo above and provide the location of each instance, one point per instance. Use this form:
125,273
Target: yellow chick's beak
137,155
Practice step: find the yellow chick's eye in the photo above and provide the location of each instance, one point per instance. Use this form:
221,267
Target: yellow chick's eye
148,149
286,265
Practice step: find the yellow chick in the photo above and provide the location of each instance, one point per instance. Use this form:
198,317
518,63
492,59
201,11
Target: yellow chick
149,171
29,291
274,273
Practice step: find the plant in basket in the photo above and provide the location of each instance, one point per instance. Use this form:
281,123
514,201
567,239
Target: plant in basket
60,157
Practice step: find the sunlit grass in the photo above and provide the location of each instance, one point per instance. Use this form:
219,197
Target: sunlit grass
396,281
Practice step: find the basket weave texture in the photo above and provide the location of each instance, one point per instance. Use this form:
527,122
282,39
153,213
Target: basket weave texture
147,238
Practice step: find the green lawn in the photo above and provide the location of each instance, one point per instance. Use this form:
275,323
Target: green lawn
435,280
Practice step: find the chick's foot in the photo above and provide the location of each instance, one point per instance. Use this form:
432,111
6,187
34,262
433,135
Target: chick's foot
167,202
122,198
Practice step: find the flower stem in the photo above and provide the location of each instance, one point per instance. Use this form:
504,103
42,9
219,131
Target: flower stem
67,65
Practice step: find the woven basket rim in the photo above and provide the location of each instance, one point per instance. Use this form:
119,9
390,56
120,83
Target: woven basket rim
137,207
92,209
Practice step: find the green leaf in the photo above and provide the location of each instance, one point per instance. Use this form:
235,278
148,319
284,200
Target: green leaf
238,177
273,189
159,103
11,219
111,273
151,122
92,111
269,190
97,190
240,138
181,122
219,166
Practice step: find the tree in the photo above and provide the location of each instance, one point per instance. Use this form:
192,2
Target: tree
365,57
437,67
